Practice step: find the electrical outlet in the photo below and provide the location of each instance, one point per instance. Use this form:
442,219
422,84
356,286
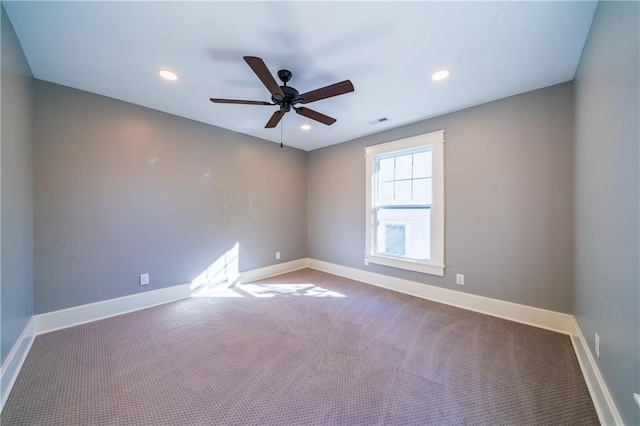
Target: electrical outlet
460,279
366,261
144,279
277,255
597,345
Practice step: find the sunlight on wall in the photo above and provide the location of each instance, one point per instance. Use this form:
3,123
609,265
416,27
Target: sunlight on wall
221,279
220,274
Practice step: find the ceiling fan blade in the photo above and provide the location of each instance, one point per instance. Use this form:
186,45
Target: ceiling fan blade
274,120
237,101
263,73
315,115
327,92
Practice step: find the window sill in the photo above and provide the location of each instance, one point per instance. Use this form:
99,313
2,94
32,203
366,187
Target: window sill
425,268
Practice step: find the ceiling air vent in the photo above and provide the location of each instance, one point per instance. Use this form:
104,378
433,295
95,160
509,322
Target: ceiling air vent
379,120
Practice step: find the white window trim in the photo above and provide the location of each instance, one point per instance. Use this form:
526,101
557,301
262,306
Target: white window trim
435,265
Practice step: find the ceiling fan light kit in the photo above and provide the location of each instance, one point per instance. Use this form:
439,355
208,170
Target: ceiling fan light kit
287,97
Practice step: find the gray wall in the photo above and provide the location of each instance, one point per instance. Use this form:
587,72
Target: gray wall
607,282
123,190
16,190
508,186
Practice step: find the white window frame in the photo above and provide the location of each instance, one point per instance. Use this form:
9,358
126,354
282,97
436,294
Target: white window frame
435,265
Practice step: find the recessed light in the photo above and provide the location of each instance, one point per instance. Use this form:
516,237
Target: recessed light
168,75
440,75
305,127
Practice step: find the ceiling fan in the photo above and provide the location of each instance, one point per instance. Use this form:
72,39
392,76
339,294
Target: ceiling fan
287,97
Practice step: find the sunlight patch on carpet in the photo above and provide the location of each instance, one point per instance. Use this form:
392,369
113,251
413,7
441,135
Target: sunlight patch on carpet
264,290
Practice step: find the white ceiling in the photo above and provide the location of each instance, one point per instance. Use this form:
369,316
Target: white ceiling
387,49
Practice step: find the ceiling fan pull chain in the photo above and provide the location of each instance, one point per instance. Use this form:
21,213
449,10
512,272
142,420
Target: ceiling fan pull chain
281,131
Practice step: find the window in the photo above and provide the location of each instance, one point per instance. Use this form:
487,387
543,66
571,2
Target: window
405,203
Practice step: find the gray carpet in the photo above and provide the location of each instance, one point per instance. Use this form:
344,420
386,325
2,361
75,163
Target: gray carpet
327,351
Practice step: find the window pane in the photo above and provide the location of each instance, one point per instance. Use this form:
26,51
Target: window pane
417,232
385,193
419,237
403,192
422,165
385,170
404,165
422,191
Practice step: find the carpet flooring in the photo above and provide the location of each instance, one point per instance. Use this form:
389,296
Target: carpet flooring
304,348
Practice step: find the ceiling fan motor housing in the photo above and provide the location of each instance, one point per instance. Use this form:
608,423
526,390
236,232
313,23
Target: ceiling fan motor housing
291,97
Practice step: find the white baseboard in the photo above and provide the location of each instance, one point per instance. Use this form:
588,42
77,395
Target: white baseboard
602,400
12,365
270,271
77,315
108,308
542,318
